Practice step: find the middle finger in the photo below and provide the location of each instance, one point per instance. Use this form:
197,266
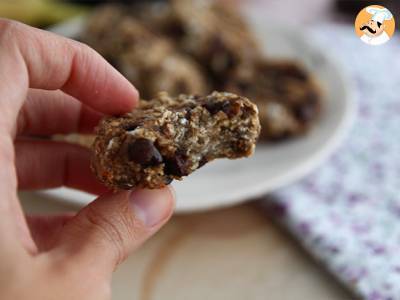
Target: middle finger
52,112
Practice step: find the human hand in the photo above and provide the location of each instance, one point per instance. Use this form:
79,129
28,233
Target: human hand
48,85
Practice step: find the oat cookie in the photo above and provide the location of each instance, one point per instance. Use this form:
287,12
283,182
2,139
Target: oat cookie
167,138
215,34
149,61
288,99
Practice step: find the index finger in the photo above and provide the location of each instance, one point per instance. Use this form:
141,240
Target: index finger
52,62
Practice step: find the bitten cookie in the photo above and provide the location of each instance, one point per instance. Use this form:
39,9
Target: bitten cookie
167,138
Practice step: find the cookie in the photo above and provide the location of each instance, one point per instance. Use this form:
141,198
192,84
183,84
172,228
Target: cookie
215,35
288,99
168,138
149,61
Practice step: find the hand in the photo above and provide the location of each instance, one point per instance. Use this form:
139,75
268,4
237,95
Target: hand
49,84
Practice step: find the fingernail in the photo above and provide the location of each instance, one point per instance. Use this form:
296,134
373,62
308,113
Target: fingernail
151,206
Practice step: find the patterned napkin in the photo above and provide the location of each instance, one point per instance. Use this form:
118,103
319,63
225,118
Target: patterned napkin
347,213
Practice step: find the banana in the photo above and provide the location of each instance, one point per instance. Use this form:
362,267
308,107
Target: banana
38,12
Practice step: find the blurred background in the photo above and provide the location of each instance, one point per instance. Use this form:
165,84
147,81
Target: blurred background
334,233
42,13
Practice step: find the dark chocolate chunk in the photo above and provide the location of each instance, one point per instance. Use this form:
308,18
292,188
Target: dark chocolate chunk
222,57
143,152
125,185
231,108
307,111
281,137
130,127
213,107
228,107
202,162
177,165
188,114
168,180
295,72
175,29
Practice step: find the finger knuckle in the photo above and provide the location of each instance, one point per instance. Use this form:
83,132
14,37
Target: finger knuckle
84,48
84,58
83,51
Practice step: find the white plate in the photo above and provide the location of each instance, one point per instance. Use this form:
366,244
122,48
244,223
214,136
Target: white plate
226,182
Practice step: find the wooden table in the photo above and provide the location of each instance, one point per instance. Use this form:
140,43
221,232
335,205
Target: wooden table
235,253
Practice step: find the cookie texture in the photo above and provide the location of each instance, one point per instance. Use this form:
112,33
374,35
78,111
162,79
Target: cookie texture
214,33
148,60
167,138
288,99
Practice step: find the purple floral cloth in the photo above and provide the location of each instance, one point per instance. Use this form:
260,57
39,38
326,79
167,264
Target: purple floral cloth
347,213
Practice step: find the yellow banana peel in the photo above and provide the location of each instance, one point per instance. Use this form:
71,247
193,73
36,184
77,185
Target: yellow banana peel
39,12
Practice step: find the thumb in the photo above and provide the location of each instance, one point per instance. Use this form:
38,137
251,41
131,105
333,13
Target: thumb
103,233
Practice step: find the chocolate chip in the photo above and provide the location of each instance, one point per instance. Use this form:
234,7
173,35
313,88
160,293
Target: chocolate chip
222,58
168,180
175,29
177,165
143,152
125,185
313,97
216,46
231,108
280,137
188,114
213,107
307,111
202,162
130,127
281,89
294,72
195,97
